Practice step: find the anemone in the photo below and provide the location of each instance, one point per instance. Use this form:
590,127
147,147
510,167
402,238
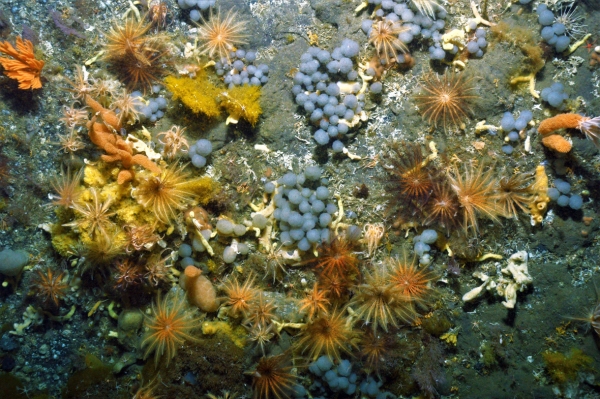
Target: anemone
445,100
169,325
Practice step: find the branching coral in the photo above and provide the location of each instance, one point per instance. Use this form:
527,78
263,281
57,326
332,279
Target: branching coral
23,66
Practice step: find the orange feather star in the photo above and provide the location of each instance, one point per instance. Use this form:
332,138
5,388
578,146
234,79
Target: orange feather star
22,66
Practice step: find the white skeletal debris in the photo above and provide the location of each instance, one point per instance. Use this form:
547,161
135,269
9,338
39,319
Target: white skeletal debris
515,278
488,284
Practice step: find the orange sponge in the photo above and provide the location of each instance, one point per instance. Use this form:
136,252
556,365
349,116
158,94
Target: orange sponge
570,121
200,291
557,143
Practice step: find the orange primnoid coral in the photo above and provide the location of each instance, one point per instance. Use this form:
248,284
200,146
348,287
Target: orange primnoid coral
169,326
557,143
23,66
328,334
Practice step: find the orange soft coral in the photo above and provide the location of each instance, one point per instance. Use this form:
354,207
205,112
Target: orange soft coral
22,66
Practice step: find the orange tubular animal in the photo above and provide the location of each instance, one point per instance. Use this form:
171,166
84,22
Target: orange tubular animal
200,291
557,143
570,121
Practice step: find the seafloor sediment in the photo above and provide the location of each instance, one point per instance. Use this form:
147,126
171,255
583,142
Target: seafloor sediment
351,272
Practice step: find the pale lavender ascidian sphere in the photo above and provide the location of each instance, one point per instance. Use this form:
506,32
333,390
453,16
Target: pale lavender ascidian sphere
199,151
